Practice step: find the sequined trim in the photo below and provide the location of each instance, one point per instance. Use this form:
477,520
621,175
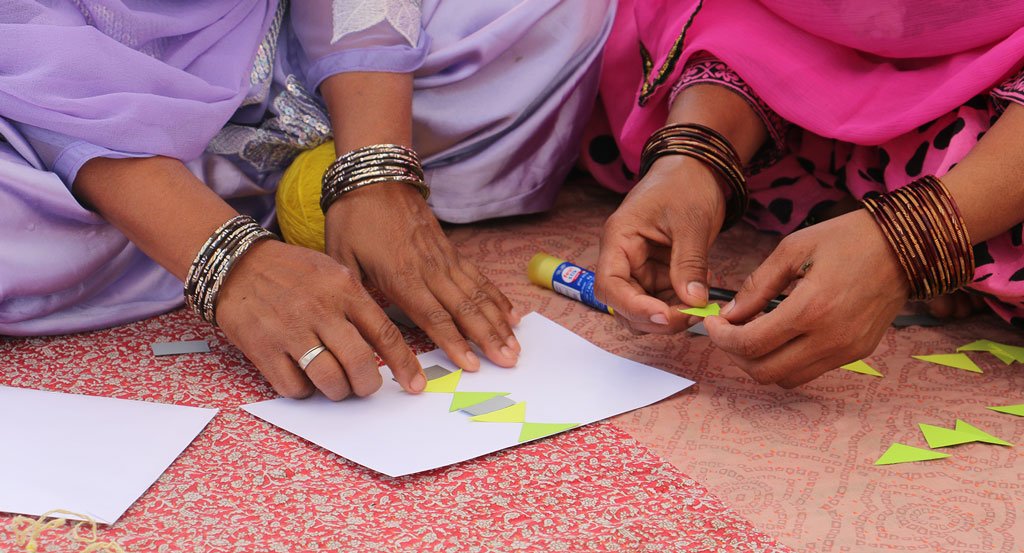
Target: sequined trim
650,86
263,65
404,16
121,28
301,123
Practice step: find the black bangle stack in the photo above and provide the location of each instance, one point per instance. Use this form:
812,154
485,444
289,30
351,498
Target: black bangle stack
372,165
709,146
215,259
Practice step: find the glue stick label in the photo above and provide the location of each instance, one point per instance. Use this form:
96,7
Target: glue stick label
577,283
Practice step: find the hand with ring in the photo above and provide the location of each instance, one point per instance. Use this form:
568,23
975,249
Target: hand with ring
307,323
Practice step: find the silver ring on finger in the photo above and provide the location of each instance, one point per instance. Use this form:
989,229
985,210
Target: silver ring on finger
310,355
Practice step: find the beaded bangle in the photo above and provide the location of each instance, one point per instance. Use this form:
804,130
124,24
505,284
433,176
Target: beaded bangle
214,261
709,146
372,165
927,233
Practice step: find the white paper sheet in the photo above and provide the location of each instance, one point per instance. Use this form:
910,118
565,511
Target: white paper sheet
86,454
561,377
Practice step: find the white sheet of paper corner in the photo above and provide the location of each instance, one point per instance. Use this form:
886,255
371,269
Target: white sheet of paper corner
561,377
91,455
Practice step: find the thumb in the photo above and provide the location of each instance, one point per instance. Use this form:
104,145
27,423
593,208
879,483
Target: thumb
688,268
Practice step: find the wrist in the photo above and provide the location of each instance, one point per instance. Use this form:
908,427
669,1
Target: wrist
690,182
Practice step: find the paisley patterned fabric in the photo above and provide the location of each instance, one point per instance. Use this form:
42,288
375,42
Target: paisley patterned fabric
797,464
245,485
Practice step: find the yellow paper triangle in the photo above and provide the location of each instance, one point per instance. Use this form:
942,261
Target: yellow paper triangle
1010,409
461,400
990,347
535,430
512,413
444,385
955,360
1016,352
862,368
979,434
937,436
706,311
899,453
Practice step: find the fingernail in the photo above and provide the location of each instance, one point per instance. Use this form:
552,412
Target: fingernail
517,314
472,360
659,318
419,382
514,344
698,291
728,307
507,352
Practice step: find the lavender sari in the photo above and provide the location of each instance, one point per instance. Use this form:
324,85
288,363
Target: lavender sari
229,87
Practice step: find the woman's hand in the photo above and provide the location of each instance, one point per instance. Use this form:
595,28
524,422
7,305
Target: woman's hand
387,234
654,249
280,300
849,288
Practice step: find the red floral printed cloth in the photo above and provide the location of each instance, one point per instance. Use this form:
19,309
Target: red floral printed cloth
245,485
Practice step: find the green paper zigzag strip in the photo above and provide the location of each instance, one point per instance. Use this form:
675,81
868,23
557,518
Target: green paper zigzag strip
516,413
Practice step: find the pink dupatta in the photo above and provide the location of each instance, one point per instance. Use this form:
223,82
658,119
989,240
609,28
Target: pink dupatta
862,72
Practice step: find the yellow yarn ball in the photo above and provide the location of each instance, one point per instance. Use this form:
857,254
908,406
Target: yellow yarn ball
298,197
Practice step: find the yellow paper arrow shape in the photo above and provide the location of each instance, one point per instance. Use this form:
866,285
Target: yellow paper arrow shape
862,368
444,385
990,347
955,360
512,413
937,436
980,435
900,453
964,433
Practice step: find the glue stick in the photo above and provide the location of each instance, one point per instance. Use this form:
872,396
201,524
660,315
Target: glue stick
564,278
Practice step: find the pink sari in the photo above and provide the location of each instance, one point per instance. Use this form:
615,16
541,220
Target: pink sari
857,96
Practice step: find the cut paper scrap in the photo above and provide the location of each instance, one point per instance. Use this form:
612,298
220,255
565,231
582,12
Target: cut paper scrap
536,430
862,368
1010,409
462,400
706,311
179,348
989,347
445,384
900,453
514,413
964,433
980,435
562,376
955,360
